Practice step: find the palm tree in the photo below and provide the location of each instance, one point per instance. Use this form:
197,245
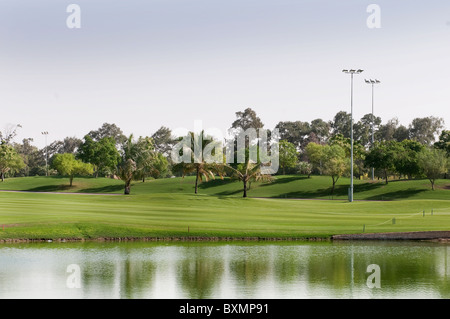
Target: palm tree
247,172
201,169
127,166
127,169
136,158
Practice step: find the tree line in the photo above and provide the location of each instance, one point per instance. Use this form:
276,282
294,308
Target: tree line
418,150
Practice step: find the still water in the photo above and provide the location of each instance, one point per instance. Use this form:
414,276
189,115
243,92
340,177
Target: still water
225,270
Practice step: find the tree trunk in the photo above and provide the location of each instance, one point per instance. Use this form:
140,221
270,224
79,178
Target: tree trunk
196,182
245,188
432,184
332,188
71,180
127,187
386,176
2,176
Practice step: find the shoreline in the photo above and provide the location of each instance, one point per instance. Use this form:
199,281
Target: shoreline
436,236
441,235
164,239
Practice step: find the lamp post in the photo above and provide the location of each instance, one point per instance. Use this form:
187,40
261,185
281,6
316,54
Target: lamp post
372,82
46,152
351,72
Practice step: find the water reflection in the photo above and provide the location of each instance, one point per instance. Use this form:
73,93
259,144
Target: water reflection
225,270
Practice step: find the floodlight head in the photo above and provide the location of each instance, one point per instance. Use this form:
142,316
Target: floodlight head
352,71
377,81
367,81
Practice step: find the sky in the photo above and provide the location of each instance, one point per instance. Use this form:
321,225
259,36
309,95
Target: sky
147,64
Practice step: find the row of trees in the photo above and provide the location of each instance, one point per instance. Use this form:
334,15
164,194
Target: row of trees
106,151
128,159
407,158
307,147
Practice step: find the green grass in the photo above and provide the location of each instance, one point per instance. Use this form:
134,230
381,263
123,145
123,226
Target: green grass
168,208
289,186
61,184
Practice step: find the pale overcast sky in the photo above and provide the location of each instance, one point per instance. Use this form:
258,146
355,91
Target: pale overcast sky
144,64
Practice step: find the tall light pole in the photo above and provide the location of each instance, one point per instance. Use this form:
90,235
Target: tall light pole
351,72
372,82
46,152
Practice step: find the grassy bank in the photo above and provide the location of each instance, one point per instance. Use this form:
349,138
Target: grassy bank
289,186
52,216
168,208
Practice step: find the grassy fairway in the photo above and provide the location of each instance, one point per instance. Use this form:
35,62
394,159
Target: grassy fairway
289,186
168,208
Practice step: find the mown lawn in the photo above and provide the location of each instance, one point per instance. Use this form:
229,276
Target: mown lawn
289,186
168,208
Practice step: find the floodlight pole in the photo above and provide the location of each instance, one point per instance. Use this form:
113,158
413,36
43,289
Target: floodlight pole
351,72
373,82
373,140
46,152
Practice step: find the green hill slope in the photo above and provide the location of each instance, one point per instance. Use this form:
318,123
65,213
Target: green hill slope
290,186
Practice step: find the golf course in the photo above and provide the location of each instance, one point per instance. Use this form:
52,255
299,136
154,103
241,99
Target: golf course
291,207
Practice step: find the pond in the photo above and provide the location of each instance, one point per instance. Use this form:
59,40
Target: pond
247,270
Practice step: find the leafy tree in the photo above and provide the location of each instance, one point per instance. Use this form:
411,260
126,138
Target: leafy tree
295,133
341,124
434,163
425,129
321,130
159,166
406,161
163,140
392,131
359,151
68,145
444,142
102,154
382,157
31,157
363,129
401,133
335,162
10,160
136,160
287,155
305,168
315,156
108,130
67,165
247,119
